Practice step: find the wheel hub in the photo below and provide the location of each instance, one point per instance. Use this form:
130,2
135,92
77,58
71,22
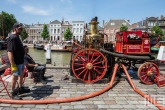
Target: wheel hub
89,66
150,73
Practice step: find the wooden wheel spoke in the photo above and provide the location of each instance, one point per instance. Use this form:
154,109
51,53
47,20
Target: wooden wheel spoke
98,62
81,59
145,78
79,68
96,59
85,75
92,57
82,72
89,76
98,71
99,67
78,64
143,75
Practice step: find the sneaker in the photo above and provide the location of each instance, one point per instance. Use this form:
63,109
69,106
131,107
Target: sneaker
14,95
22,90
43,82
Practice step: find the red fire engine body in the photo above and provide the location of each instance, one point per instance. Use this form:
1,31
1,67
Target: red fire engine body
132,42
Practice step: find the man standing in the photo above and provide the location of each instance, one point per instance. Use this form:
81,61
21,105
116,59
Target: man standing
16,54
34,67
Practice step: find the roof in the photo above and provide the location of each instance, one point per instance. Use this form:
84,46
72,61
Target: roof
117,22
55,22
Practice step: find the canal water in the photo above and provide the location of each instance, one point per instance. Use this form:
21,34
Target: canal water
58,58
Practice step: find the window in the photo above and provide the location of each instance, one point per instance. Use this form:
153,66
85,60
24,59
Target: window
58,25
58,38
107,31
81,30
54,25
81,24
111,31
54,31
58,31
51,31
116,30
124,24
77,24
112,23
74,24
73,30
77,30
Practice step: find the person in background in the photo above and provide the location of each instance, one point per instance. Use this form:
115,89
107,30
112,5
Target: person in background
16,54
34,67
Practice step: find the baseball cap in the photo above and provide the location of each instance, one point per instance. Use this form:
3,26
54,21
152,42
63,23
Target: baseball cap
16,25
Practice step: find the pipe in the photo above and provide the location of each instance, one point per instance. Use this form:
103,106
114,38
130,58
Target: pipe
128,56
140,92
10,101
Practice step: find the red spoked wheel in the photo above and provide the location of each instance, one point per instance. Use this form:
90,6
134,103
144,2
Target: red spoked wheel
148,72
89,65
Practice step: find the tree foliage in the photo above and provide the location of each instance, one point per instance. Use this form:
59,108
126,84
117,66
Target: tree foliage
7,21
123,28
24,34
68,34
157,31
45,32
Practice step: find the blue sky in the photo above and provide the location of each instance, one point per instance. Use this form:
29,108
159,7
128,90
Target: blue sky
44,11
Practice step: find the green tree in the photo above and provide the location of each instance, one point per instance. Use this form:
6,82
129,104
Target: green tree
45,32
157,31
24,34
6,23
123,28
68,34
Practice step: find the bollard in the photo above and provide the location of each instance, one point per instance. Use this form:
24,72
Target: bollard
48,54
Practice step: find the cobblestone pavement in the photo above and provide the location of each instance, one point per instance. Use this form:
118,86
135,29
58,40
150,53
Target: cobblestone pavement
120,97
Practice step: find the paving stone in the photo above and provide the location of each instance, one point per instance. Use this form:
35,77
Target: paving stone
29,105
4,105
98,102
67,107
130,106
23,109
103,106
41,106
8,108
1,108
54,106
91,106
79,106
16,105
116,106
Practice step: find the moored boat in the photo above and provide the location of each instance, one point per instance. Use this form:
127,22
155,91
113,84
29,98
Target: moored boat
65,46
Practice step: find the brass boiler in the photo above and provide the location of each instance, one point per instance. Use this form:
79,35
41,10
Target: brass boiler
93,38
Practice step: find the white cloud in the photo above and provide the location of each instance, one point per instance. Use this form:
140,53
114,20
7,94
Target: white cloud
35,11
12,1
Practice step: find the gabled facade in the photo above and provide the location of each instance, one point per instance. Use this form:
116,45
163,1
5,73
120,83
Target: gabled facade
113,26
55,31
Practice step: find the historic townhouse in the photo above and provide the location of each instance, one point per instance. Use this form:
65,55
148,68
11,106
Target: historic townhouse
34,32
149,23
78,29
113,26
55,31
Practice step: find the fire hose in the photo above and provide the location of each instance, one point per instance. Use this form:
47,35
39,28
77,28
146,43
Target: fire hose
72,99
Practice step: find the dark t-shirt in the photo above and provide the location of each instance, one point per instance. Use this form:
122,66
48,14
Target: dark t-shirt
28,60
15,44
